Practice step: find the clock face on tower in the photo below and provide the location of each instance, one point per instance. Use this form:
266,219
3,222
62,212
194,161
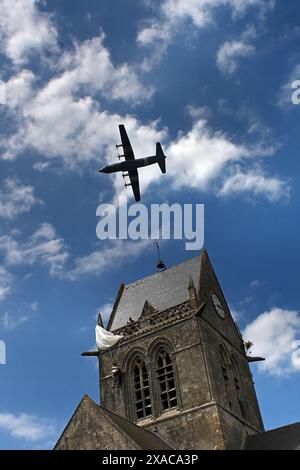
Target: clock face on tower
218,305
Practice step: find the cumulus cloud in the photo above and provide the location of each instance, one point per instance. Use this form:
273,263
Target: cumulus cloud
16,198
200,155
199,159
24,29
205,160
159,31
256,183
200,13
116,82
19,89
26,427
275,334
61,118
230,53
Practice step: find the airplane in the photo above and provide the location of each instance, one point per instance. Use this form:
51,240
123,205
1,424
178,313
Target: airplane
130,165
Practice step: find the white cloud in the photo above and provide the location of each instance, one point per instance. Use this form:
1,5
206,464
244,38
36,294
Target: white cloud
206,160
16,198
199,12
19,89
198,112
200,155
159,31
97,261
115,82
24,28
274,334
255,182
43,247
195,159
62,118
41,166
26,427
11,322
5,282
230,53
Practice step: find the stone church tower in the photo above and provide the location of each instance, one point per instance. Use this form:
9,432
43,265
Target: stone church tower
180,370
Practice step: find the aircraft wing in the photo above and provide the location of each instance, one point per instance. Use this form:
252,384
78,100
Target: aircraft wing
134,180
127,149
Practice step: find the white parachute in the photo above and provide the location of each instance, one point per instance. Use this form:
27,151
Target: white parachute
106,339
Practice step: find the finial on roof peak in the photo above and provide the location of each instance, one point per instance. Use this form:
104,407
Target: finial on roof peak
160,265
192,293
191,283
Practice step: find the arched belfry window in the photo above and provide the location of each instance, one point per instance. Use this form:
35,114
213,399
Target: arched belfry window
166,380
142,396
225,375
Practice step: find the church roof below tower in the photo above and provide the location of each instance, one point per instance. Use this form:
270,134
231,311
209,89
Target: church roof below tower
93,427
162,290
284,438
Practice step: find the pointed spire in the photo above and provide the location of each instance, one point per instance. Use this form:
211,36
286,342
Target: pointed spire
192,293
191,286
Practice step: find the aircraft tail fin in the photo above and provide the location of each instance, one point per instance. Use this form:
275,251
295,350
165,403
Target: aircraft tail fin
161,158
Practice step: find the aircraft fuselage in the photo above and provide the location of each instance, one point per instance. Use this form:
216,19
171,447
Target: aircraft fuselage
130,164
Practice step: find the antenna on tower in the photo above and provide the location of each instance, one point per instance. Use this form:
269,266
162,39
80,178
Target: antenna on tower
160,265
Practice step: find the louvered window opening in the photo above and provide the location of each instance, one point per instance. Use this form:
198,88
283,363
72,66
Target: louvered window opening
141,390
166,381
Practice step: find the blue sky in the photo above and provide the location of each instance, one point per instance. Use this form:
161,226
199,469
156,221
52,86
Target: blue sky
211,80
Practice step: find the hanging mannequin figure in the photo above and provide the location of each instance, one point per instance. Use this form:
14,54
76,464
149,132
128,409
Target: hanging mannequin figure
117,374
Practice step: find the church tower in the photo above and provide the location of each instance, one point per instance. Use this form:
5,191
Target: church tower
180,370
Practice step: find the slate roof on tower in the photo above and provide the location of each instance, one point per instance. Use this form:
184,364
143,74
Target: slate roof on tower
163,290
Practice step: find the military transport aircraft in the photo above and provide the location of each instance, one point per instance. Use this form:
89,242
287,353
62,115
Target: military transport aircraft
130,165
